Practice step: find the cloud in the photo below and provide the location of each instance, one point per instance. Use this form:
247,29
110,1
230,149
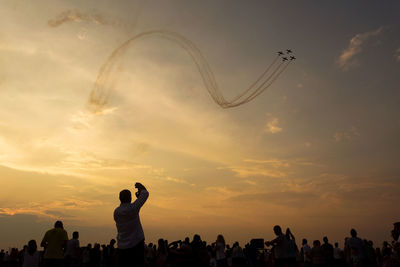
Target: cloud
74,15
272,125
54,210
347,59
346,135
276,168
284,198
397,55
178,181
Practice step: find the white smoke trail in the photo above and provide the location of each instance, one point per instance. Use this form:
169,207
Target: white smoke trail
106,78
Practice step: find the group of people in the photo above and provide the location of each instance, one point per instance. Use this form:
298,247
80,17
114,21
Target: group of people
130,249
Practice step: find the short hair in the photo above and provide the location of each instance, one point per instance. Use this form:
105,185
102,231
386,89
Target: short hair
353,233
125,196
75,234
277,229
59,224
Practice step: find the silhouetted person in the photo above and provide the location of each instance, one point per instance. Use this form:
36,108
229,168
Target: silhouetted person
370,256
54,241
238,259
328,251
292,249
86,255
396,242
306,252
161,254
13,259
396,231
111,254
220,251
317,254
356,247
130,238
337,255
95,256
31,255
2,254
72,252
280,244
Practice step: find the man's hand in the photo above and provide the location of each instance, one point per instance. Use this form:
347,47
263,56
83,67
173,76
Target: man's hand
140,187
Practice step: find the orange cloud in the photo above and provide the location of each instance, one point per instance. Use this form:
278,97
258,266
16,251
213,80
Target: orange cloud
272,126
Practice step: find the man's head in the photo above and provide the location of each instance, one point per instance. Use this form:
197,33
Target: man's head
75,235
59,224
277,230
396,231
325,239
353,233
304,241
125,196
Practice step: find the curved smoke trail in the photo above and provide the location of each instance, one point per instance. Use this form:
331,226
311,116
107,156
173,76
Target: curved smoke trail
106,78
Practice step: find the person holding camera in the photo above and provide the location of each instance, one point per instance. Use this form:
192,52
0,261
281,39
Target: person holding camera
130,238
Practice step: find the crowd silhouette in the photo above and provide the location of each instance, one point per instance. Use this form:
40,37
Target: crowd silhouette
130,250
282,251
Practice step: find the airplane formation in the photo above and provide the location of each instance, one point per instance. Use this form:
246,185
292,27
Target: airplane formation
286,58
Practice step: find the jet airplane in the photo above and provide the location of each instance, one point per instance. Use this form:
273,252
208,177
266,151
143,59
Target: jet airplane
280,53
284,58
292,58
288,51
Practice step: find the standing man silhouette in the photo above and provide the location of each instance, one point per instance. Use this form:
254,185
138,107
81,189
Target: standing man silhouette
54,242
130,238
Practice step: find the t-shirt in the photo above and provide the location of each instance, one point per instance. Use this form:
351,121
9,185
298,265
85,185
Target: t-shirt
72,248
281,247
307,253
317,255
31,260
237,252
55,239
358,245
220,251
337,253
328,251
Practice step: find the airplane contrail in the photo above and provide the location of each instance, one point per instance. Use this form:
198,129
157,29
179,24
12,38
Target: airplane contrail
106,77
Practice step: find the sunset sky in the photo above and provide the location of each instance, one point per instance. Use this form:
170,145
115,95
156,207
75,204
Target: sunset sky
317,152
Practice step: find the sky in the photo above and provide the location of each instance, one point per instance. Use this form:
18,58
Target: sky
317,152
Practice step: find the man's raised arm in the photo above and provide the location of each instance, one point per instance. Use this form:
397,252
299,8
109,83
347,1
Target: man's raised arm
141,195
